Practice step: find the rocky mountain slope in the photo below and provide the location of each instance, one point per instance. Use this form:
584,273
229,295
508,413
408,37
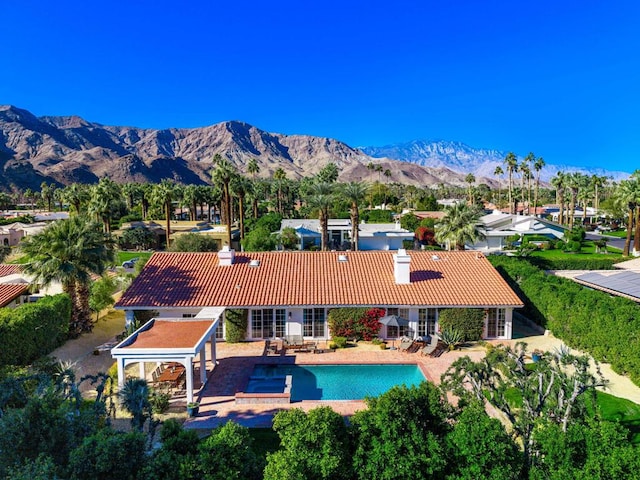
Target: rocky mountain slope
465,159
71,149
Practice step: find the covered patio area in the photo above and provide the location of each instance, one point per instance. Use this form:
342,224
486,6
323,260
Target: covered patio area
173,341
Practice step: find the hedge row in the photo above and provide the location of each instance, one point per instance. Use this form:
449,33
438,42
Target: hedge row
34,329
236,322
607,327
574,263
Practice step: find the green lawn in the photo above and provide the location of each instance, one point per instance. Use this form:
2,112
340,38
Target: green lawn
621,410
613,409
588,251
124,256
619,234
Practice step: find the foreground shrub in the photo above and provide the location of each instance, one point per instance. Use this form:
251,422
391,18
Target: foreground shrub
314,445
227,454
34,329
468,322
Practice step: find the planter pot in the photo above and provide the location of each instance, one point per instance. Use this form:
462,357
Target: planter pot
535,357
193,411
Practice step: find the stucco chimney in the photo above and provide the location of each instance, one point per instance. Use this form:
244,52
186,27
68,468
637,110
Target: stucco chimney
226,256
401,267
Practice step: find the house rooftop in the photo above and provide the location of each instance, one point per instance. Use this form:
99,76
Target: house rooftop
317,278
170,334
7,269
10,291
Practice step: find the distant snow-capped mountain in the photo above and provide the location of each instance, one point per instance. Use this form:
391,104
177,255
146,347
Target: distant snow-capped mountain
462,158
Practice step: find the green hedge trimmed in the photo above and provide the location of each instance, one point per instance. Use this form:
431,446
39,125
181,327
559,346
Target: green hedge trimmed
469,322
235,325
574,263
607,327
34,329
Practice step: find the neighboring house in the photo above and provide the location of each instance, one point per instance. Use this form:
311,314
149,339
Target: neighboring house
13,294
10,235
13,275
180,227
580,216
291,293
372,236
497,227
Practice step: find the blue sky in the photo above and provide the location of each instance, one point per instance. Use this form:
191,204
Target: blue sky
561,79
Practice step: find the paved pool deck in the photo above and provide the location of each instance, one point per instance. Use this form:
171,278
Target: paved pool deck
236,362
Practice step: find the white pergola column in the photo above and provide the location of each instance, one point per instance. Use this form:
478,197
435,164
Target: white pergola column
141,371
213,349
203,366
189,368
120,372
128,318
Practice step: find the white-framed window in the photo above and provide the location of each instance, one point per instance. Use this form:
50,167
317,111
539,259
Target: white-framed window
496,322
314,322
427,318
268,322
220,330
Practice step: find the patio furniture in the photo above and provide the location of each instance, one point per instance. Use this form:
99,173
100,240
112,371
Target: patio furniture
172,375
431,346
292,342
405,344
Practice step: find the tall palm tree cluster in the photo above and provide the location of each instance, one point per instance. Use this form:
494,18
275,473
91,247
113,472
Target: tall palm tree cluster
576,190
529,169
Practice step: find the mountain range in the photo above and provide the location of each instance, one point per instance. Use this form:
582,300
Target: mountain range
67,149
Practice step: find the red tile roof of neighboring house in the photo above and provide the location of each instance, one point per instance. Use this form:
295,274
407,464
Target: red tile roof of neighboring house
9,269
10,291
171,334
317,278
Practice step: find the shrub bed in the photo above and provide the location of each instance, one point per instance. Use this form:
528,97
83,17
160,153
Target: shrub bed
355,323
468,322
33,330
607,327
577,263
235,325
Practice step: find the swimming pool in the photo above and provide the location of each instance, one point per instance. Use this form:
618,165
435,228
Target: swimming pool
339,382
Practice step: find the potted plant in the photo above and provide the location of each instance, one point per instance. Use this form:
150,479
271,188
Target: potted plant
192,408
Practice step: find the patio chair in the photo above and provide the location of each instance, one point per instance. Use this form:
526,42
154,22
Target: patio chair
405,344
292,341
431,346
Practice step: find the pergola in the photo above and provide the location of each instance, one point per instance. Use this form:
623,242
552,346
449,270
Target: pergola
177,340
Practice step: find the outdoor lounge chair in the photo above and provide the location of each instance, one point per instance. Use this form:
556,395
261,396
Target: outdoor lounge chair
292,341
405,344
431,346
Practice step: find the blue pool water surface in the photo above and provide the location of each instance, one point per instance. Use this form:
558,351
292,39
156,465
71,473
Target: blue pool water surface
341,382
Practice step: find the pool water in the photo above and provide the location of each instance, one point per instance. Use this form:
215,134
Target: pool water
341,382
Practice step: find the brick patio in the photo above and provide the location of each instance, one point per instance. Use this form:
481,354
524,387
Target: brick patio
236,362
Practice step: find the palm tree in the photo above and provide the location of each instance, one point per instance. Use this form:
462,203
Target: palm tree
525,176
164,194
387,175
537,166
46,192
470,179
279,176
240,187
190,200
75,195
222,175
134,397
498,172
355,192
512,165
560,182
69,251
322,199
253,168
573,182
628,194
105,198
459,226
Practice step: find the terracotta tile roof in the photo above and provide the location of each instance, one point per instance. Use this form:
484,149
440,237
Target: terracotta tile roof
9,269
10,291
317,278
171,334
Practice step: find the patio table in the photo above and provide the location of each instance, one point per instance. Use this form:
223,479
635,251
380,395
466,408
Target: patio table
172,375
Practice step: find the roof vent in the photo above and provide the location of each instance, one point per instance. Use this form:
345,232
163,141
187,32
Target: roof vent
254,263
435,258
342,258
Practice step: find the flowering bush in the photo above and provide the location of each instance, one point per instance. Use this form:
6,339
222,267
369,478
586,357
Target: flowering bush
355,323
